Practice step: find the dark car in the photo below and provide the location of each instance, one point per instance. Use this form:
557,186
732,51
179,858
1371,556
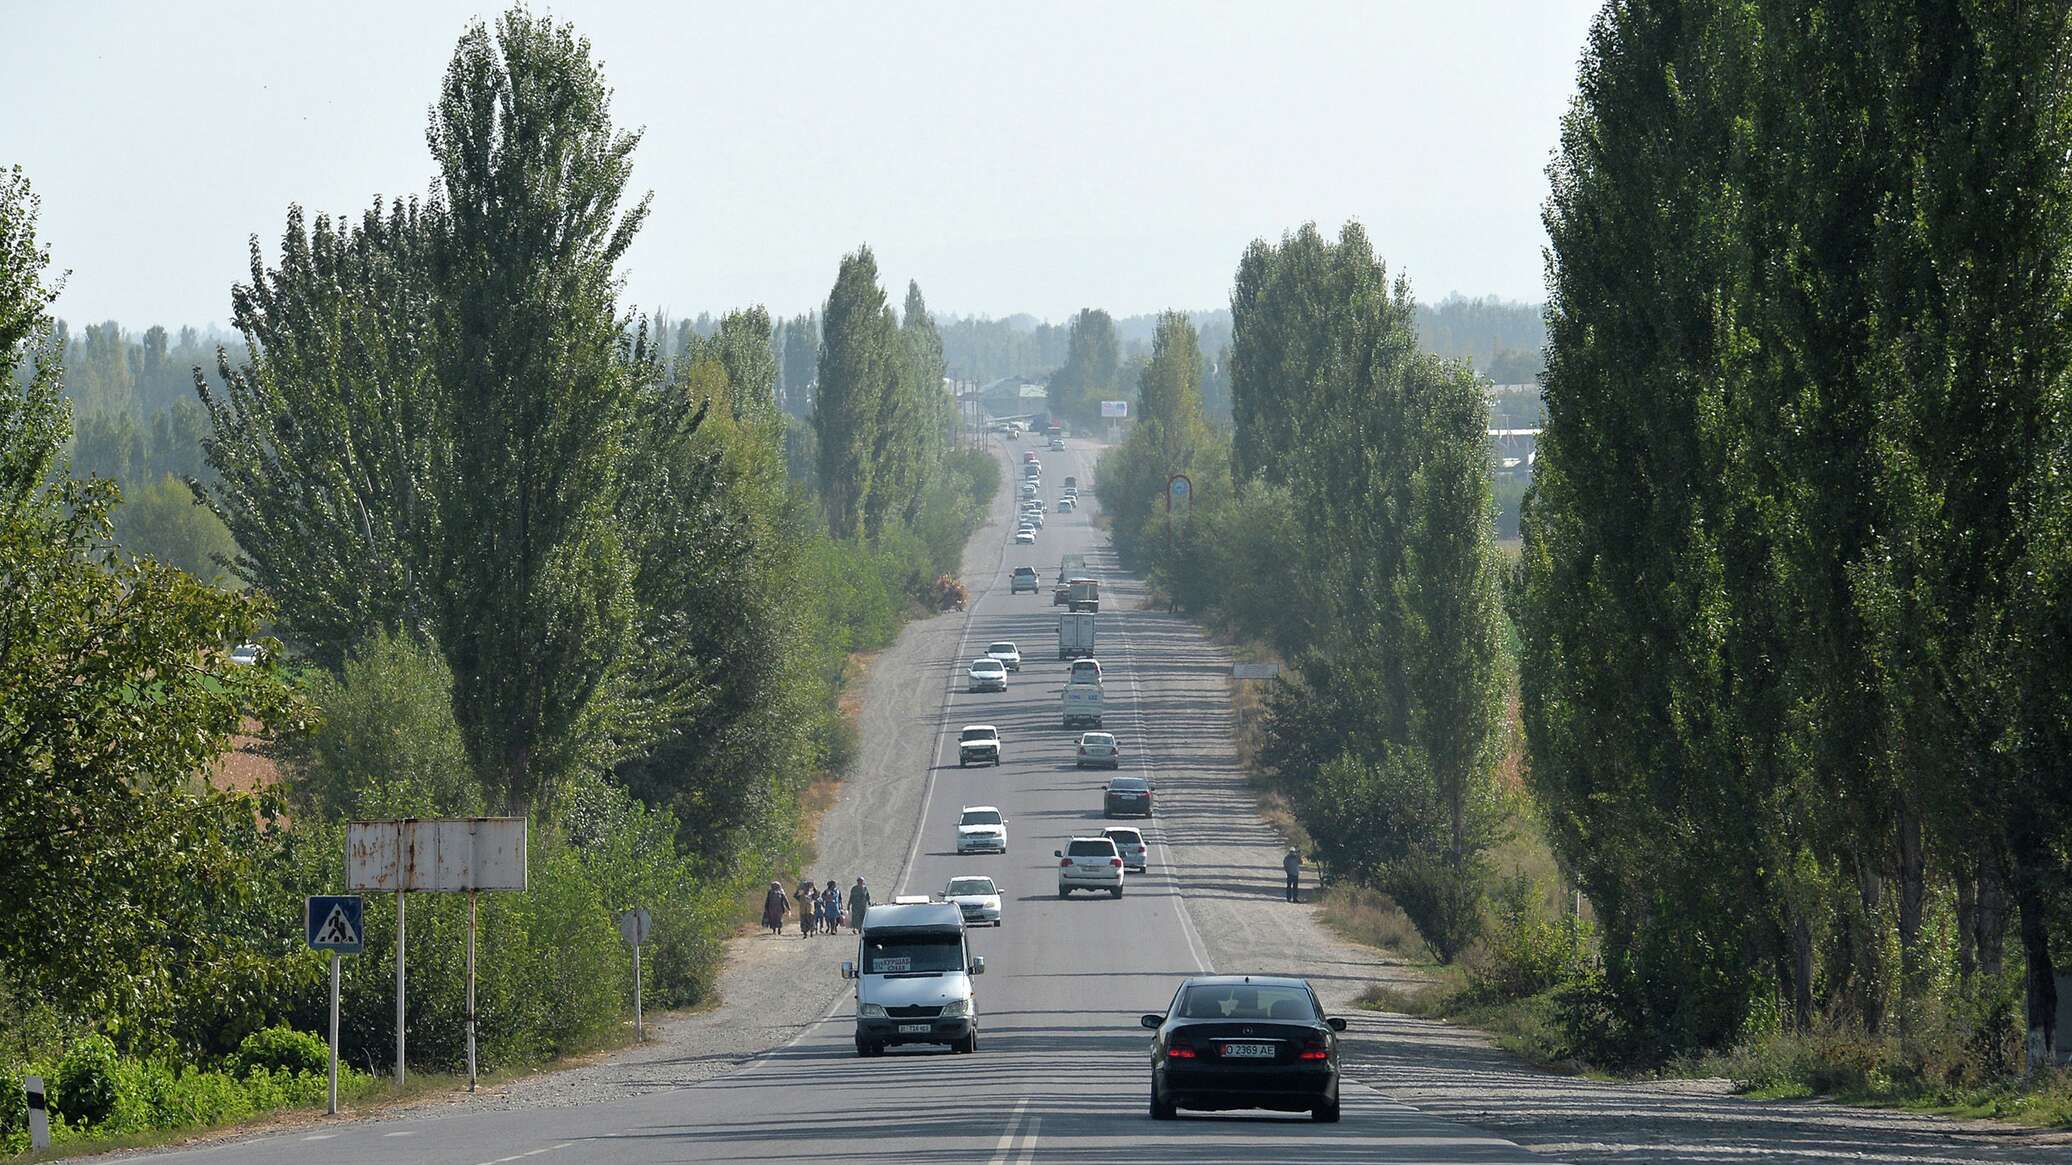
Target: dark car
1244,1041
1126,796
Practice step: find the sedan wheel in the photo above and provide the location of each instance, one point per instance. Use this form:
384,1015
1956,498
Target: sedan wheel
1161,1109
1325,1113
1115,893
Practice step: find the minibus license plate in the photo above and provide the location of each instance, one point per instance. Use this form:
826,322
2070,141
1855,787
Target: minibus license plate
914,1029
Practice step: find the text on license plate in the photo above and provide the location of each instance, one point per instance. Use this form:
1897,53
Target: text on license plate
1248,1051
910,1029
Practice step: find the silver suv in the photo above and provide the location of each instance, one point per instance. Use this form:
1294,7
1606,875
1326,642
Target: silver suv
1089,863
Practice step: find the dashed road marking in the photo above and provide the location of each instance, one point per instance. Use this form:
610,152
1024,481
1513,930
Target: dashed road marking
403,1133
319,1136
1003,1151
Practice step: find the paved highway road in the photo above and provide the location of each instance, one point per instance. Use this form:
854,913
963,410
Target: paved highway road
1061,1070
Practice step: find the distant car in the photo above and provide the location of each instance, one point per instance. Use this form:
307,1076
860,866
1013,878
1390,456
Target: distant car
1085,671
1072,483
247,654
1057,445
1028,490
1126,797
1129,842
1089,863
1028,457
1066,505
1023,579
1008,654
1036,518
1098,750
1025,538
1071,490
1061,595
978,744
987,675
981,830
1244,1041
977,896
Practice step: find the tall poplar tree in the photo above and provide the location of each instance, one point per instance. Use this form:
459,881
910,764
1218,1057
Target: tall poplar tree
856,373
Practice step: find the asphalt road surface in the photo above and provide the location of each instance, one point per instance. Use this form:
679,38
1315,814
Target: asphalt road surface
1061,1073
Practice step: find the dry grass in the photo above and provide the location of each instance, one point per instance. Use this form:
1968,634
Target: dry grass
1373,919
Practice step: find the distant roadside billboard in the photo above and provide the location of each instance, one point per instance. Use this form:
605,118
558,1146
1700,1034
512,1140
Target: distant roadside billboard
1115,408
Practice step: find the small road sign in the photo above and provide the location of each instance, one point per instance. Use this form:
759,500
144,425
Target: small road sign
332,922
634,925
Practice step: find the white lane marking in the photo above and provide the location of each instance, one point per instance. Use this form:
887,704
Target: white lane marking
1003,1151
1029,1140
319,1136
1196,948
404,1133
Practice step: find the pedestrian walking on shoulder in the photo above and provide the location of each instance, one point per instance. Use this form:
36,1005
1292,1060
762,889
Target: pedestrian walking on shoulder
859,901
831,907
1293,865
775,904
808,899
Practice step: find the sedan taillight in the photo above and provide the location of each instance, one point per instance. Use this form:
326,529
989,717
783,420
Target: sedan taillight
1179,1051
1313,1048
1116,862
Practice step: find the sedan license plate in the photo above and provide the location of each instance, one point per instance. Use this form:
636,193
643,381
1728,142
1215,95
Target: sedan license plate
1248,1051
914,1029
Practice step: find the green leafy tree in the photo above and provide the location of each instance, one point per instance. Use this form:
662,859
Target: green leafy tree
1091,372
165,521
387,745
855,376
115,696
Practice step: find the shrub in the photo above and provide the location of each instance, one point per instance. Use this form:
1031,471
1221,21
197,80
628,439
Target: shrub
84,1088
1527,951
281,1049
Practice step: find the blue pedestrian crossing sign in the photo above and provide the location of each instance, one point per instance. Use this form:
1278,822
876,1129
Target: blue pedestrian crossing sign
332,922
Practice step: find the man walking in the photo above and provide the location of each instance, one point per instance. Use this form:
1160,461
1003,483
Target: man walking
1293,865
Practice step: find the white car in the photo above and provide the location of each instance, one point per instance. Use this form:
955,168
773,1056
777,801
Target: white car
1036,519
1085,671
1129,842
977,896
1067,505
1025,537
981,830
978,744
247,654
1097,750
1008,654
1089,863
988,675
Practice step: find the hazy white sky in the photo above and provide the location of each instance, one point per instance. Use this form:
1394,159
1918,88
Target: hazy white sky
1035,157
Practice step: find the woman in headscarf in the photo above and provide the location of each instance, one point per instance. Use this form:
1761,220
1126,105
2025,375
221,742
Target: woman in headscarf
774,906
831,907
859,901
809,907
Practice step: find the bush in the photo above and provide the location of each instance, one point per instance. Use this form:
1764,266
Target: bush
281,1049
1527,951
84,1088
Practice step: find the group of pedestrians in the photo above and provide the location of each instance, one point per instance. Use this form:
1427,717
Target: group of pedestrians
821,910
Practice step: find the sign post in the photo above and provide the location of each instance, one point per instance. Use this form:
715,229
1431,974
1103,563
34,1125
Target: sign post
335,923
633,927
439,854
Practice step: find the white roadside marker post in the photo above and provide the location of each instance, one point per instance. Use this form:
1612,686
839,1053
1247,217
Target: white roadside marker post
399,989
333,1107
633,927
471,991
39,1113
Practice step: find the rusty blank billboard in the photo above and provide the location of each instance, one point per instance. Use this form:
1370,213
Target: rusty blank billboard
451,854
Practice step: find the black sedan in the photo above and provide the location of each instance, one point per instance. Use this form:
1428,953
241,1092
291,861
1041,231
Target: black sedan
1126,796
1244,1041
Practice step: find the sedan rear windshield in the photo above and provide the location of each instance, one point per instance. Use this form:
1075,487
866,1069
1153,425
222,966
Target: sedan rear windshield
1246,1001
1002,648
1092,849
1124,836
912,954
1128,785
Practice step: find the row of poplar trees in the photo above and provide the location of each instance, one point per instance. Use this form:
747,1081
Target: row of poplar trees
448,427
881,414
1797,583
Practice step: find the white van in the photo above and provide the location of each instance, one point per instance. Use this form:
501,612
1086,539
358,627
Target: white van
913,978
